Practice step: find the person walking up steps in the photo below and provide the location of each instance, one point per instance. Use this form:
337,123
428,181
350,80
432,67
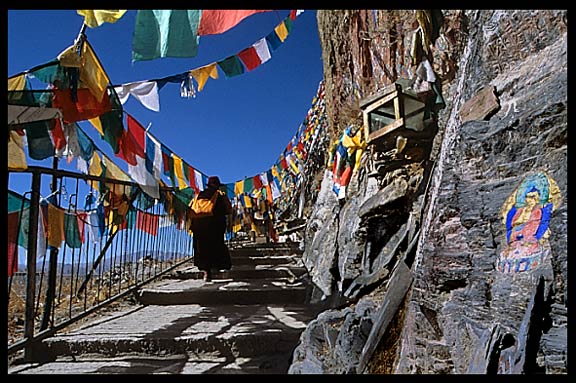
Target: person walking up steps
211,212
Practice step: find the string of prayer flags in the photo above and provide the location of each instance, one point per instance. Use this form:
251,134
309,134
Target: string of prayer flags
244,61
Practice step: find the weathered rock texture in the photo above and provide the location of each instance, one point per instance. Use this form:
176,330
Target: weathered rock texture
422,260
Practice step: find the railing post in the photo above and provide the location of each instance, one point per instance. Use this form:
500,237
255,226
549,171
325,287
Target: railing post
31,263
52,264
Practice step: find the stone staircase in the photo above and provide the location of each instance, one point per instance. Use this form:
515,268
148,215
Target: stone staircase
247,320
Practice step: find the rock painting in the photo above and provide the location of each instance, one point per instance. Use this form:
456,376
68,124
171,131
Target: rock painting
526,217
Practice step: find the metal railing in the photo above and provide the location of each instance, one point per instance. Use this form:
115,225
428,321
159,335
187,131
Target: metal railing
79,259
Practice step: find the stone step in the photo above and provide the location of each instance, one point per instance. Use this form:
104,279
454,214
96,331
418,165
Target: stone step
247,320
179,339
224,292
137,363
263,260
246,271
262,250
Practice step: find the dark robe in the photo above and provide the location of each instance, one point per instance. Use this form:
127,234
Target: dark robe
210,250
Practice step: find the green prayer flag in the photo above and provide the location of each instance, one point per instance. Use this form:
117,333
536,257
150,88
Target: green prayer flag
165,33
231,66
71,231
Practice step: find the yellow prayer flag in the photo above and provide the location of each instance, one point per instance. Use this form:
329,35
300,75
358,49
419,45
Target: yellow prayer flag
96,17
201,74
16,155
275,172
95,169
239,187
115,172
293,165
281,31
354,146
69,58
97,124
55,226
247,201
92,73
179,172
17,83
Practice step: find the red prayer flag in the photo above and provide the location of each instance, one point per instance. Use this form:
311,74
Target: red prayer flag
215,21
81,217
85,107
127,148
147,222
192,179
257,182
138,134
165,162
58,137
301,149
250,58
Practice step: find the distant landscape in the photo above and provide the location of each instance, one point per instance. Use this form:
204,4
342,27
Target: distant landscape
83,268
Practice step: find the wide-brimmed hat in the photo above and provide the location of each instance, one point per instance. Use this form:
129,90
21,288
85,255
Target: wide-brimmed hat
214,181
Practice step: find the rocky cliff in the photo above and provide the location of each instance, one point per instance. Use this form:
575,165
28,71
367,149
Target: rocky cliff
447,254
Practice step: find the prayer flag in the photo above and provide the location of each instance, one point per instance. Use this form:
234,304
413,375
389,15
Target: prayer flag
137,133
165,33
199,177
201,74
215,21
147,222
273,40
55,226
144,178
178,172
153,157
281,31
249,58
231,66
262,50
72,231
96,17
239,187
144,91
16,155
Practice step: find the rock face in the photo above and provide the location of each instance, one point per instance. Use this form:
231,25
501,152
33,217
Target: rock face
452,257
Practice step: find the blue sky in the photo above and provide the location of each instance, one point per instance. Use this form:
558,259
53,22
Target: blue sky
234,128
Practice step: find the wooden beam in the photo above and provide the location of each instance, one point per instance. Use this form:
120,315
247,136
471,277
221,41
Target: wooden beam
382,101
385,130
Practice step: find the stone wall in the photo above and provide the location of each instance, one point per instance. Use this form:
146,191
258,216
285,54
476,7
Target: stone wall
426,263
482,302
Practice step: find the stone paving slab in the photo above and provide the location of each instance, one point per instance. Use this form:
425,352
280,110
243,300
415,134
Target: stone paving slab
185,363
245,271
183,338
223,292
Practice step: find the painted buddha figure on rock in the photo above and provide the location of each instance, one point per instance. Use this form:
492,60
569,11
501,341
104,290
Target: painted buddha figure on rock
526,216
